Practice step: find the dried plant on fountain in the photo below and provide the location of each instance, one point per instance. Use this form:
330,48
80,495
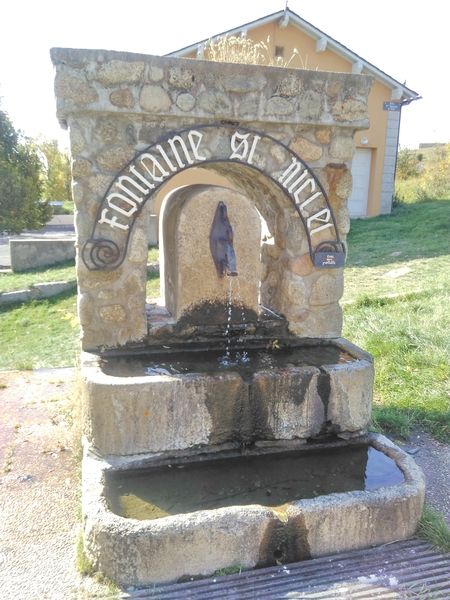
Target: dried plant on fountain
244,50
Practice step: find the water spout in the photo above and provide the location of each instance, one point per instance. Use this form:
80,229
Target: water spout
221,243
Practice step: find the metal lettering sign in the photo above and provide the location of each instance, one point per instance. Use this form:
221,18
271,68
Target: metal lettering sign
148,171
392,105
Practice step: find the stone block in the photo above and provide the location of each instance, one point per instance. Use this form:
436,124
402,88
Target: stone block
180,78
294,291
162,413
342,148
81,168
214,102
327,289
285,404
154,99
305,149
301,265
350,399
289,86
31,253
113,158
241,84
114,313
323,135
322,322
310,105
77,141
86,309
122,98
120,71
155,73
13,297
279,106
74,87
349,110
52,288
185,102
138,251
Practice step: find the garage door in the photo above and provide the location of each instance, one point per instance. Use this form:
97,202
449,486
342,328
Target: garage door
357,203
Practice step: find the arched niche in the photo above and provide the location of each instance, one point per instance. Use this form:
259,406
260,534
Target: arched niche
191,288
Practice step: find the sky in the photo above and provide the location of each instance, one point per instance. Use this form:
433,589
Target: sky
408,39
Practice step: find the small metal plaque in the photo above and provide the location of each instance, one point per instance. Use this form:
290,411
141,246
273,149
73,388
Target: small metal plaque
392,105
329,260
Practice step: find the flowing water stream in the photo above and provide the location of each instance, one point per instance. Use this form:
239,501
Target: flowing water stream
240,355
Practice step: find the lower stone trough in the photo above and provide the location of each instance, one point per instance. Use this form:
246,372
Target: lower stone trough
159,520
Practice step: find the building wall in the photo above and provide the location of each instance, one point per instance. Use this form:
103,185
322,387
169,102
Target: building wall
291,37
374,138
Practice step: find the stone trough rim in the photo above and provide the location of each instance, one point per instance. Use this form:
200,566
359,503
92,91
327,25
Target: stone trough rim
412,473
109,537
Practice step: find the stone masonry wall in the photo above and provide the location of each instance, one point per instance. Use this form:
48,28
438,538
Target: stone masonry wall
116,104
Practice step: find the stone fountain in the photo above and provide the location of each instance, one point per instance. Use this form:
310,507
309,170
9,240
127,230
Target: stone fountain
227,423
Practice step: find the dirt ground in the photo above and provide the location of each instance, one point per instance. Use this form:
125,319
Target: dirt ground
40,487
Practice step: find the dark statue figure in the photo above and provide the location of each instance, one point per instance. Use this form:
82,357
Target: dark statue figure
221,243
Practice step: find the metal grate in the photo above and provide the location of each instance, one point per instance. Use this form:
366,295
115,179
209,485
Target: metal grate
407,570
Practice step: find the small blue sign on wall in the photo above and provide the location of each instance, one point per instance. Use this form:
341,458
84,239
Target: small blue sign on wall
392,105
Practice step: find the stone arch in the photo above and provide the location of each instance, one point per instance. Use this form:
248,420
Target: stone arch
229,151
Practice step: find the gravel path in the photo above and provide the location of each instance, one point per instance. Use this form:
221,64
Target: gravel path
434,459
39,487
39,490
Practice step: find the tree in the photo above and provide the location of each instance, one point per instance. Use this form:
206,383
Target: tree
21,182
407,164
436,175
57,168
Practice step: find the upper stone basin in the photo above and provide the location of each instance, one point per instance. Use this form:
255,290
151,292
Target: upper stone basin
166,401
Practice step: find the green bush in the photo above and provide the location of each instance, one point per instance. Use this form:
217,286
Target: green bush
426,179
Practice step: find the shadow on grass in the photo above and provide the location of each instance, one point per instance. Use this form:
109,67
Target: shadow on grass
418,230
53,301
60,265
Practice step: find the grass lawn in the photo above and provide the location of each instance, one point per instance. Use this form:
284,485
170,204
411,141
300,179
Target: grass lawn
10,282
39,334
45,333
396,306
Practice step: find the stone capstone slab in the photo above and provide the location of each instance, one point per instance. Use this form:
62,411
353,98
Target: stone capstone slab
288,95
134,552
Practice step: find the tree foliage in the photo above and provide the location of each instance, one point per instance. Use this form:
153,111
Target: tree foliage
436,174
407,164
57,171
423,175
21,182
